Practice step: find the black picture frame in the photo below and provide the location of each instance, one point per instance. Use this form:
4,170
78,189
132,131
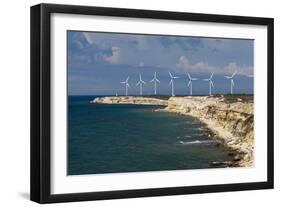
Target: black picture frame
40,184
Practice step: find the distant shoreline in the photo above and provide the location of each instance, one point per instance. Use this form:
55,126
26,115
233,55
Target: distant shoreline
130,100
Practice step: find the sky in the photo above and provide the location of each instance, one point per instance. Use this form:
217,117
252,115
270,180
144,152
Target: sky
97,62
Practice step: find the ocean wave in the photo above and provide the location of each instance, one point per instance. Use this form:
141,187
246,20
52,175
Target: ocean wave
192,135
196,142
202,129
183,137
198,134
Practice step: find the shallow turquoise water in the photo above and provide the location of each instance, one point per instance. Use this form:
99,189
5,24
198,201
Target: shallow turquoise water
133,138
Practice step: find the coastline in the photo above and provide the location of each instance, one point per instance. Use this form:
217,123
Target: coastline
231,123
130,100
230,120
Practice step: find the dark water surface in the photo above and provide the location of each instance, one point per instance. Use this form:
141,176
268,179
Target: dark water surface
134,138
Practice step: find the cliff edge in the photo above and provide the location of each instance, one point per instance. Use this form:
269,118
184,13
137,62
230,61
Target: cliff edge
231,122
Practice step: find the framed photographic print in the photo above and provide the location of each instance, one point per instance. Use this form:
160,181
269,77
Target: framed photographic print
132,103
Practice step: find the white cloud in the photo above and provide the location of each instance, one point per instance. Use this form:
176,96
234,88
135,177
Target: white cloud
78,44
231,68
98,39
137,49
88,37
115,57
184,64
242,70
201,66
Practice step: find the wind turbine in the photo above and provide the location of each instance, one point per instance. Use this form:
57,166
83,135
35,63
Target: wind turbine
126,84
172,82
252,77
140,84
231,81
211,83
155,80
190,82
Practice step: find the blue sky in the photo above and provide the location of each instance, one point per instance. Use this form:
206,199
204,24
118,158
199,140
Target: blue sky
98,62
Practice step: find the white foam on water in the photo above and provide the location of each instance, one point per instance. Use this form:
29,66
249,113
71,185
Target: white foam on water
189,122
202,129
198,134
196,142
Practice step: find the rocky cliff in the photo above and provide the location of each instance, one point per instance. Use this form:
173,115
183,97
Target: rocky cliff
130,100
231,122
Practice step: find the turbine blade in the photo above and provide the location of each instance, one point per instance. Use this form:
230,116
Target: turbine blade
212,84
170,75
211,76
206,79
189,82
157,80
194,79
123,82
228,77
127,78
137,83
128,85
233,74
151,80
176,77
188,75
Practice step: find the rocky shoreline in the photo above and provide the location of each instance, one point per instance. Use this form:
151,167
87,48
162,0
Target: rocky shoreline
130,100
231,123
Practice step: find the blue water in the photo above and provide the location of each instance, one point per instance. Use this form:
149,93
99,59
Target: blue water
134,138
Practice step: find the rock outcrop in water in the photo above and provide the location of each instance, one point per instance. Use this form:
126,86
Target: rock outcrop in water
130,100
230,120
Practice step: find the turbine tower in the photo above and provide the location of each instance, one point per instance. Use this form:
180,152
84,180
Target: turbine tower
155,80
211,83
190,82
231,81
172,82
126,84
140,84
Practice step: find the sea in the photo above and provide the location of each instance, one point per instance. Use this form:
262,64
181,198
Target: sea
112,138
